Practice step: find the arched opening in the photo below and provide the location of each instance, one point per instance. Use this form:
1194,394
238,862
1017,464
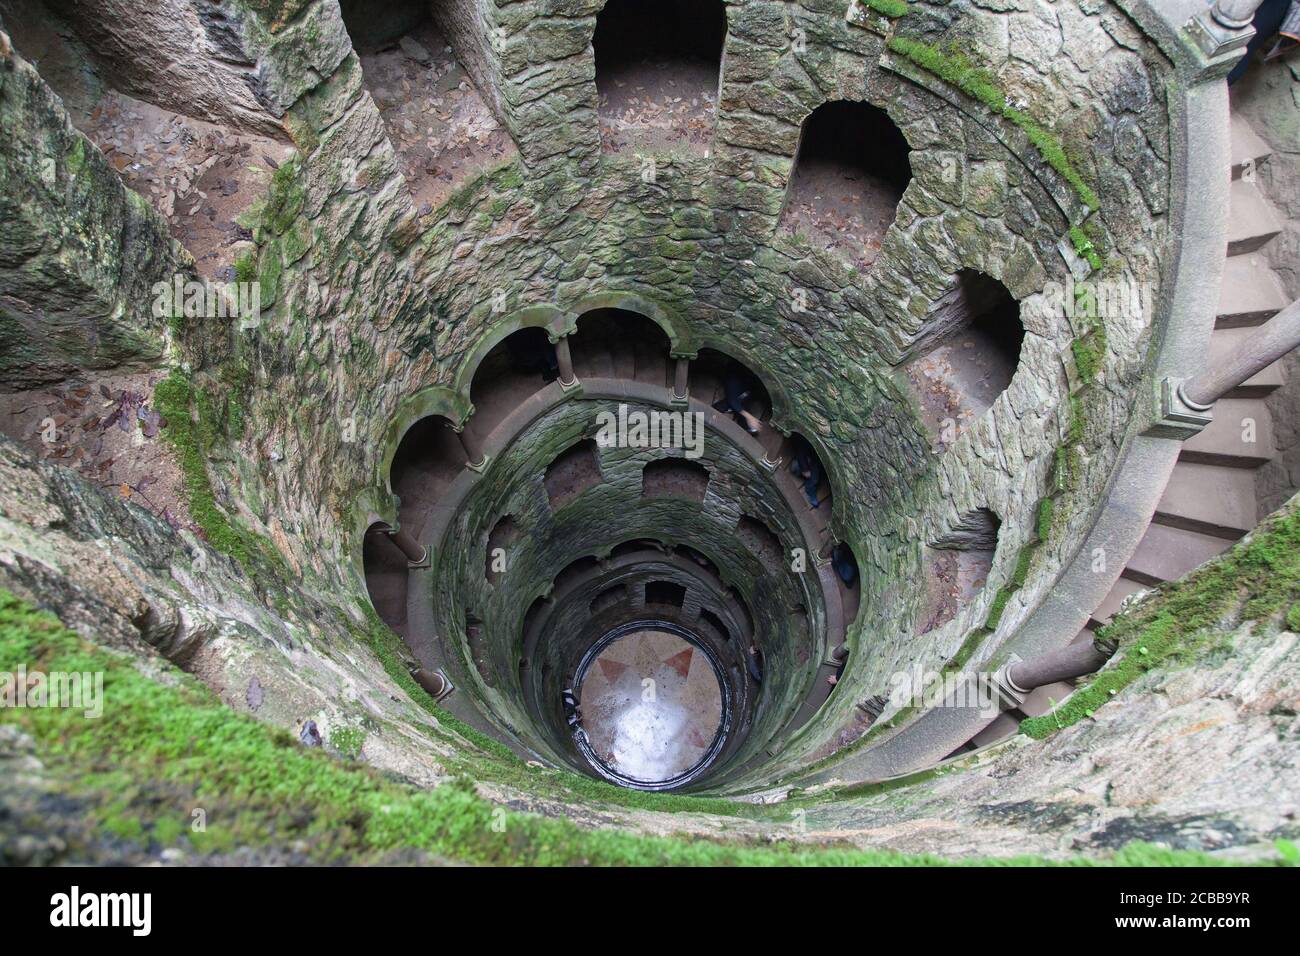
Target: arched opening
618,343
845,565
658,64
730,386
665,592
575,571
503,535
850,171
957,565
634,546
968,352
441,128
761,540
686,551
710,622
426,463
674,478
387,569
517,367
612,596
805,467
574,471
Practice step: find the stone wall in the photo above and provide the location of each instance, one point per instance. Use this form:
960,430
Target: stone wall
79,252
602,517
364,304
372,307
187,56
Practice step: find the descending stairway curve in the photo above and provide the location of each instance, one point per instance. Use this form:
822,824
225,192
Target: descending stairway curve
1209,501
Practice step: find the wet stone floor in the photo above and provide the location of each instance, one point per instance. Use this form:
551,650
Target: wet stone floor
651,706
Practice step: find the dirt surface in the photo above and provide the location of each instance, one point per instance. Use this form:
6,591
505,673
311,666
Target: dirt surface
201,177
670,478
104,428
442,129
658,107
957,382
571,474
952,579
841,209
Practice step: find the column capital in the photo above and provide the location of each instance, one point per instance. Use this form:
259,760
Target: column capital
1180,417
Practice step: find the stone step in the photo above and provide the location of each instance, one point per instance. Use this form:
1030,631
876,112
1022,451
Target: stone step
1267,381
1227,441
1250,294
1111,602
1166,554
1209,499
1252,220
1247,146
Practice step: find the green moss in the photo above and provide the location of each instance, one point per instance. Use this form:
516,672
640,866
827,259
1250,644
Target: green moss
999,605
1021,572
76,157
508,177
1078,421
1046,512
1087,359
270,266
1293,617
348,740
161,749
285,197
237,379
246,268
276,14
890,8
190,429
1256,580
1085,248
955,69
966,651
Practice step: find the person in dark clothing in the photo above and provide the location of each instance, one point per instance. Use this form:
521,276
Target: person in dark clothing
754,664
736,393
807,467
844,564
572,712
1274,18
531,351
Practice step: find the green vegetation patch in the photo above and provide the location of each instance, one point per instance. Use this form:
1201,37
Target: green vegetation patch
277,14
1258,579
190,427
161,750
890,8
955,69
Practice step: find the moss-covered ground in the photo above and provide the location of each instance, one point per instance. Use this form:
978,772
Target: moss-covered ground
162,749
1257,581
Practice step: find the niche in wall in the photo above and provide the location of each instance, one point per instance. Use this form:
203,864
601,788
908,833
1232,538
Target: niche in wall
966,355
850,171
658,64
